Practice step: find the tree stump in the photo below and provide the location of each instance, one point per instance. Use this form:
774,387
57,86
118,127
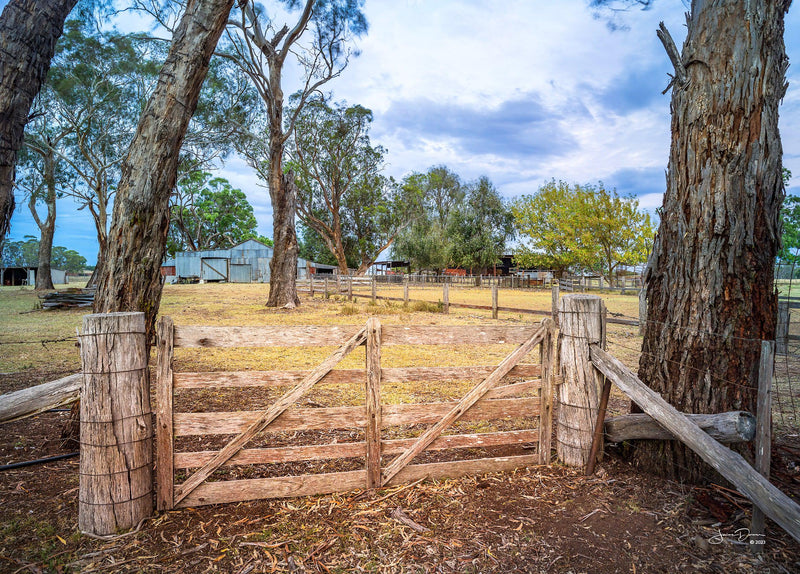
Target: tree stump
116,481
581,320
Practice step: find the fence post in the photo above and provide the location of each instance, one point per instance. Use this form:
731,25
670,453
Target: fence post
555,302
116,484
373,399
581,319
350,288
494,301
405,290
763,438
642,310
782,329
548,360
164,421
326,288
446,298
311,285
374,289
338,285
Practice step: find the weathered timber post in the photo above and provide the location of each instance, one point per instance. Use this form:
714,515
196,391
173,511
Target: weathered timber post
338,285
311,285
555,302
581,319
350,288
763,438
373,403
642,310
405,290
494,301
374,289
782,329
326,288
116,481
446,297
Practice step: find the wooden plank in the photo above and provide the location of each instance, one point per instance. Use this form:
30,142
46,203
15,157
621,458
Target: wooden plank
317,335
372,429
763,438
456,335
315,484
165,472
265,418
774,503
548,360
354,449
469,400
189,424
231,379
34,400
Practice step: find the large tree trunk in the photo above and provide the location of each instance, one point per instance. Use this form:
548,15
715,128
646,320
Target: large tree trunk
130,279
29,30
710,291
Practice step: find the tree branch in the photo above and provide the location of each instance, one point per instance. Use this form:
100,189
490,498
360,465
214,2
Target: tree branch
674,55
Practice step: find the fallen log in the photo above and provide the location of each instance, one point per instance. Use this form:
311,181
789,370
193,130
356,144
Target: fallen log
774,503
34,400
728,428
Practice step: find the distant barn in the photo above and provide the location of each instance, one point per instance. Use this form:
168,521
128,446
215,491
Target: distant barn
27,276
247,262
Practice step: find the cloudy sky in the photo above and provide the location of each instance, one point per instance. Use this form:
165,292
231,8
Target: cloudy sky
519,90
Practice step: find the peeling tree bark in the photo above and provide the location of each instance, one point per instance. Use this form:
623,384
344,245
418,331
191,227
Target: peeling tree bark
710,290
29,30
130,279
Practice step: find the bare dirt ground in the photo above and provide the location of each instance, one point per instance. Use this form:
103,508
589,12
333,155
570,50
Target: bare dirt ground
540,519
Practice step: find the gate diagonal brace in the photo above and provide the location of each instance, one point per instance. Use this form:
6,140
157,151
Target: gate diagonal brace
472,397
266,418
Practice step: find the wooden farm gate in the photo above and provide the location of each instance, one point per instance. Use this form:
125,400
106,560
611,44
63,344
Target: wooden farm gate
528,395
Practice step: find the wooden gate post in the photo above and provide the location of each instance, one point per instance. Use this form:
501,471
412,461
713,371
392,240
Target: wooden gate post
763,438
116,466
582,322
311,285
326,288
374,289
405,290
494,301
446,297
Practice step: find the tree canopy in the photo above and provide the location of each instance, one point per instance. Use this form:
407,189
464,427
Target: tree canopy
25,253
342,194
581,227
207,212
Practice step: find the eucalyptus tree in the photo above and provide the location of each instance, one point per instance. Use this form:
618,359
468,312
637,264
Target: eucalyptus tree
43,177
425,242
96,90
130,279
28,35
316,40
342,194
710,279
479,228
207,212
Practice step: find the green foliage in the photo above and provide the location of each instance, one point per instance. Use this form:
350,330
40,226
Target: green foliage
583,228
478,229
208,213
25,253
459,226
790,222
